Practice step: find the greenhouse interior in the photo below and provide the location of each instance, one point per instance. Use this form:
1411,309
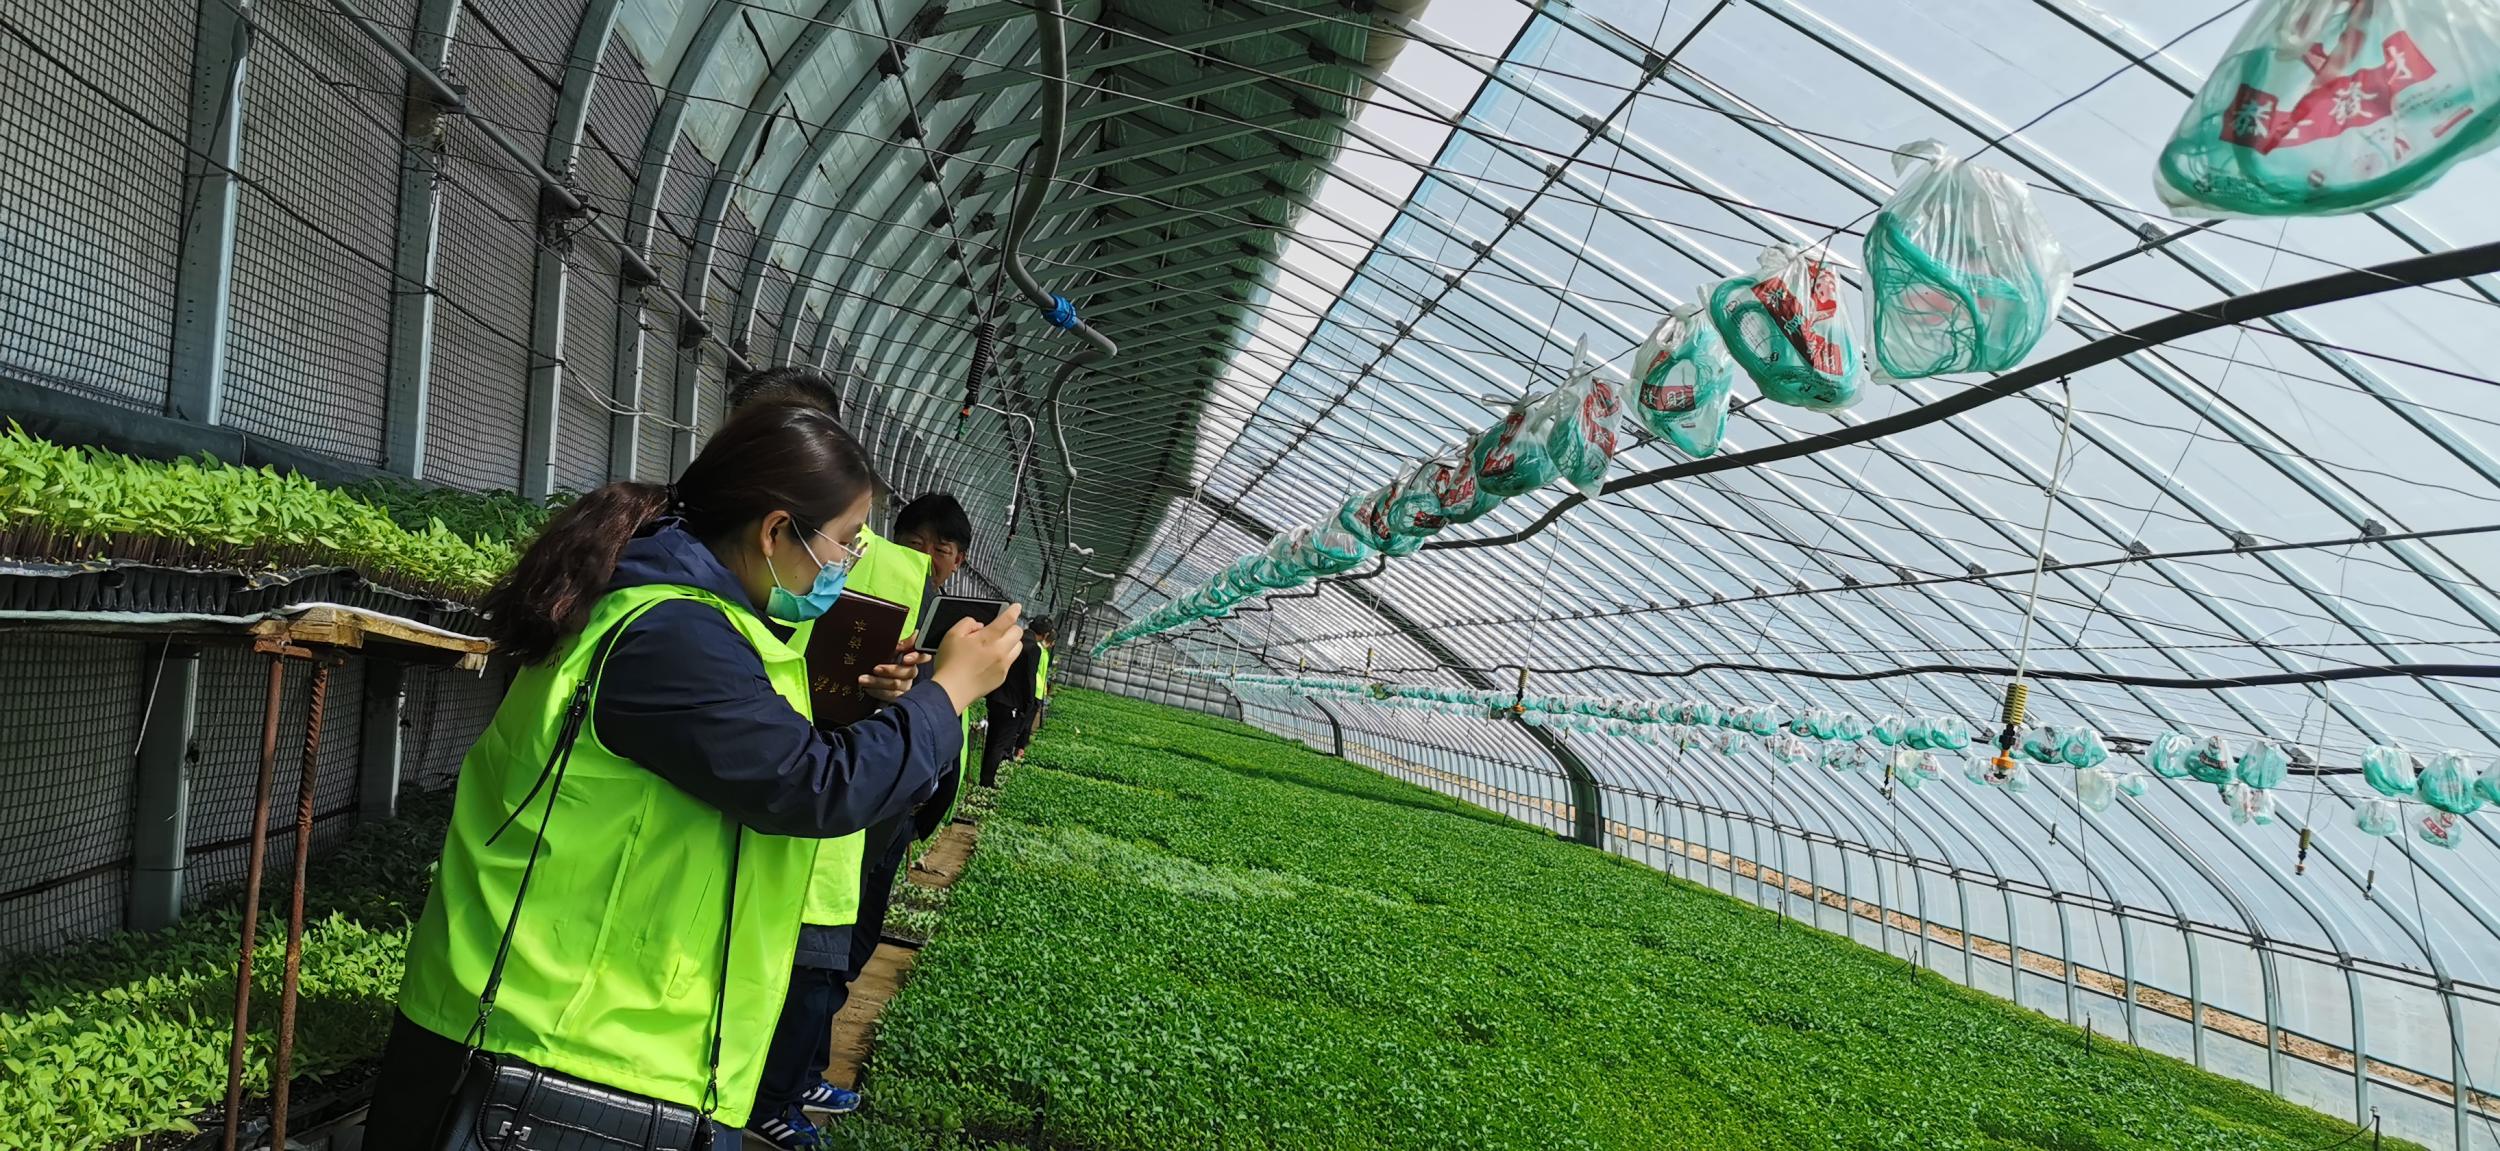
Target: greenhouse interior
1586,574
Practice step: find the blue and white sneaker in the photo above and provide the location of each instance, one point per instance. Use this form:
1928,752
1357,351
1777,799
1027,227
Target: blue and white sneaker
788,1131
831,1100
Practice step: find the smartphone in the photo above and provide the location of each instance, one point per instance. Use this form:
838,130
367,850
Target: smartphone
940,616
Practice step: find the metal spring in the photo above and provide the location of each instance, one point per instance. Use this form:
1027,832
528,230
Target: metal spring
984,335
2017,700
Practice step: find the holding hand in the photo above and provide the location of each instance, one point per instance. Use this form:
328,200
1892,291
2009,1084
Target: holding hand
888,681
973,658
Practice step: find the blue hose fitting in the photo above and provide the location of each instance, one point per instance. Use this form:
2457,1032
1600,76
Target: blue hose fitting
1061,313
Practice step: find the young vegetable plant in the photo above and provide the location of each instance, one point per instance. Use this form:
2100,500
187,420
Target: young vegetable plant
1179,932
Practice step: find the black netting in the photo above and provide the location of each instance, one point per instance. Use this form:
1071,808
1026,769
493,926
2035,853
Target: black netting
770,298
91,195
442,715
659,361
234,693
314,239
70,714
477,400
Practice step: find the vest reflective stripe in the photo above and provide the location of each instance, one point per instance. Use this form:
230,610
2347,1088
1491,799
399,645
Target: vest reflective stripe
888,571
1041,676
617,952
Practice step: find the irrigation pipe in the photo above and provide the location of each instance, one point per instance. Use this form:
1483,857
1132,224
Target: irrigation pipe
1050,29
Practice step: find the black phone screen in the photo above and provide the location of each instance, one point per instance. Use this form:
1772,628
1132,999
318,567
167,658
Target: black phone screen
945,610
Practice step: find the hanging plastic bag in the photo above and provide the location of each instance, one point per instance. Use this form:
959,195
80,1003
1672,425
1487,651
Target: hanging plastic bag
1890,730
1581,418
2263,766
1949,733
1965,273
2169,753
2439,829
1414,507
1462,496
2389,770
1788,326
1334,550
2096,789
2378,817
1365,516
2328,106
2211,761
2248,804
2082,747
1510,456
2448,784
2043,744
1683,378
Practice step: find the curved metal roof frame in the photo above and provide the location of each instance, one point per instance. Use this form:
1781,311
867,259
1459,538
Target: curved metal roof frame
1548,215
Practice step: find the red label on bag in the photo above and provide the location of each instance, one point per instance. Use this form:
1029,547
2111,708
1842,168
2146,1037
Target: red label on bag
1503,456
1803,323
1455,488
2336,99
1597,414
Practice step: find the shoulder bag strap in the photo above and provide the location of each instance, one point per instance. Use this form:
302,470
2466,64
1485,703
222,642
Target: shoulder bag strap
720,987
551,777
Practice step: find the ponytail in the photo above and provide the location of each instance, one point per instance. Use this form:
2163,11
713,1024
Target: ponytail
768,457
547,594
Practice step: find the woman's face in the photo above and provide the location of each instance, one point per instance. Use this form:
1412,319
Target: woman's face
787,555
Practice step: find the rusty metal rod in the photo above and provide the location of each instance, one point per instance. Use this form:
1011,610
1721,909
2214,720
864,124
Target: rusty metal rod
251,900
281,1076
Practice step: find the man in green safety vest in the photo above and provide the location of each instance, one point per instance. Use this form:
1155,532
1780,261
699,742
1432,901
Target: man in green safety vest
844,913
1044,636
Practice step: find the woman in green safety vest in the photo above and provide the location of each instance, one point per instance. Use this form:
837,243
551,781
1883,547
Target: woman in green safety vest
623,913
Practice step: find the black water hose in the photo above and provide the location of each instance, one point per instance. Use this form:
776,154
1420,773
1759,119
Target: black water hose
1050,27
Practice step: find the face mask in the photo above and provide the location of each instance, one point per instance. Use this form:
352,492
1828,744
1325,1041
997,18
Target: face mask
789,608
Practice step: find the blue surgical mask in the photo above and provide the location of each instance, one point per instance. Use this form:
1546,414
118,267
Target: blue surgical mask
788,607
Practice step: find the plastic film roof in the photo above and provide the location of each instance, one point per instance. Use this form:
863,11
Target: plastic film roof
1586,189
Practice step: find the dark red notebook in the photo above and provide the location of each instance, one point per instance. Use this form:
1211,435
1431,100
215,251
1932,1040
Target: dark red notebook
858,633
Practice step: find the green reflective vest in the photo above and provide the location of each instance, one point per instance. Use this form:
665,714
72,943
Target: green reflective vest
888,571
1041,676
616,955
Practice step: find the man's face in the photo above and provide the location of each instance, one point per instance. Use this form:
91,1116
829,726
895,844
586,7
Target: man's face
944,555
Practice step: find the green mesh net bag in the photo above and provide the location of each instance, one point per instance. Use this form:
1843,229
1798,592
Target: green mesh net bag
1965,274
2328,106
1788,326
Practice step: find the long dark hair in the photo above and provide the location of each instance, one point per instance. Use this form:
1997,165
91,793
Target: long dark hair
767,458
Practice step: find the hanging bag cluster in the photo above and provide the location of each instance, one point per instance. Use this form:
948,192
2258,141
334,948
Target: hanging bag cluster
2328,106
1682,381
1965,274
1788,326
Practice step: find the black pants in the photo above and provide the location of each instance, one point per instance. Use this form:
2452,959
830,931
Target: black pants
802,1041
419,1072
887,844
1006,734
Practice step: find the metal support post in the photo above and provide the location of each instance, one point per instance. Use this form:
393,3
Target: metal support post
204,280
283,1067
254,860
378,761
161,821
411,363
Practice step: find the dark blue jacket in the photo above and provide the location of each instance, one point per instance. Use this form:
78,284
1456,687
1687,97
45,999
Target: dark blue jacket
686,696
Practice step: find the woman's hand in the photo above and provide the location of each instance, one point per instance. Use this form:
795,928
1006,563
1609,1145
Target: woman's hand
888,681
973,658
